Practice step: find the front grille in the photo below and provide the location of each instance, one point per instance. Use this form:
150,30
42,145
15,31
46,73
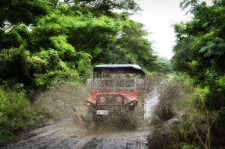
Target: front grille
110,100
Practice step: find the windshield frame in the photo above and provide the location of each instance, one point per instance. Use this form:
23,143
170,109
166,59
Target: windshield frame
114,85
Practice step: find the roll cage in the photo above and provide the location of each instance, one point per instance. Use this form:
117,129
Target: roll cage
101,71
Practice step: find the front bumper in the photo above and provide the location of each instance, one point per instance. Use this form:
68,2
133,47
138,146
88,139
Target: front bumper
112,107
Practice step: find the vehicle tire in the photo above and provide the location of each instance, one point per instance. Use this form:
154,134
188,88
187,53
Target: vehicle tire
140,116
89,119
137,116
133,121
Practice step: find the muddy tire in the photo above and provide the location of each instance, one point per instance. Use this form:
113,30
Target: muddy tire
136,116
89,119
133,118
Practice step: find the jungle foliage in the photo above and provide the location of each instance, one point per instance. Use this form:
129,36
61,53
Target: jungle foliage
46,39
199,53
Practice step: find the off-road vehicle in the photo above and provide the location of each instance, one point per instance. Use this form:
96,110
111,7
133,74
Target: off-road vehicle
117,93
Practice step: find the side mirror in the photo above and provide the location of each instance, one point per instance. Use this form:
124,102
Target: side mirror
89,82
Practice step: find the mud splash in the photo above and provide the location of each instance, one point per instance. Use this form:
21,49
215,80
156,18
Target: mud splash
152,100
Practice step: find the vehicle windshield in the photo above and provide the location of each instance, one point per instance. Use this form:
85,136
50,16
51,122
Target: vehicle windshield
109,83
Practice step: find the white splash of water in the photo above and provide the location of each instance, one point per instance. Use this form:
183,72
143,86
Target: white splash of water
152,100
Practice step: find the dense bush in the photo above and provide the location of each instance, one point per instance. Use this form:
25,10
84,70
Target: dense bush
16,113
194,125
36,71
199,53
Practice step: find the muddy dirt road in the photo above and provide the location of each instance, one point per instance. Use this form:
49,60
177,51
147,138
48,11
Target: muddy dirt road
66,135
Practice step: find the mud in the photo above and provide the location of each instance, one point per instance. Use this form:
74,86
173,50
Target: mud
66,135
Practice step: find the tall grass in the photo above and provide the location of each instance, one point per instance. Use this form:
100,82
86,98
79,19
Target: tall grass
194,129
16,113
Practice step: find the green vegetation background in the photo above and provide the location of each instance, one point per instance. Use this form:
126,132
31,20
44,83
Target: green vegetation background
199,60
199,63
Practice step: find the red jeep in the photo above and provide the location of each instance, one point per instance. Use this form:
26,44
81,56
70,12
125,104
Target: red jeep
117,91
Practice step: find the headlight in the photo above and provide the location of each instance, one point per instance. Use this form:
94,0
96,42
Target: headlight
119,99
87,103
102,99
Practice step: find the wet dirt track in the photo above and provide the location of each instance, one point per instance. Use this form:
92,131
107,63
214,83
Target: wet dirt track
66,135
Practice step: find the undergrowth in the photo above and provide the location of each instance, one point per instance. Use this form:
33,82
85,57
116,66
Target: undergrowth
195,124
17,113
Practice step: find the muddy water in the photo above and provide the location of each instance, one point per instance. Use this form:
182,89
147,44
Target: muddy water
152,100
67,135
150,103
